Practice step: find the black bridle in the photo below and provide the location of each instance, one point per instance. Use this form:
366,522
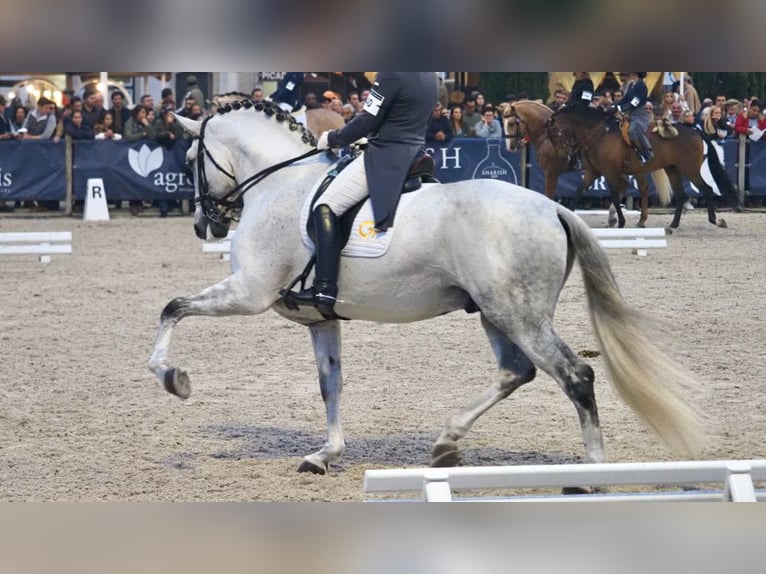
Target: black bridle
226,208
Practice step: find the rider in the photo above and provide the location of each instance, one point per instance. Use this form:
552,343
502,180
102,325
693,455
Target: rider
394,119
582,90
580,97
633,104
287,96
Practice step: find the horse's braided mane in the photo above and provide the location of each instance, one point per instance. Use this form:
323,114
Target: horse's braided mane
267,107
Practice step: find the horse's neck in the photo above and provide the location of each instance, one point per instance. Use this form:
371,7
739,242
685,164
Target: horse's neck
282,194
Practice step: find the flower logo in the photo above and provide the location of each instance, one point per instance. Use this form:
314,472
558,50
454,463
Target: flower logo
145,161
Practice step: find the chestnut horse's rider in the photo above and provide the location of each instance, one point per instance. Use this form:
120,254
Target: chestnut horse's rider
633,105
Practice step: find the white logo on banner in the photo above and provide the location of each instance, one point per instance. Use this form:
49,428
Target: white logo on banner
145,161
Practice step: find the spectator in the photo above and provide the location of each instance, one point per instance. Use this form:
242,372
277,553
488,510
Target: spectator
167,98
714,125
470,116
41,123
105,130
120,114
171,130
687,118
147,100
750,121
327,99
605,99
617,95
18,118
480,100
489,126
194,92
196,112
560,98
691,96
91,113
667,100
138,128
77,129
257,94
348,113
186,111
720,101
5,123
353,99
676,112
438,131
732,112
337,106
310,101
456,122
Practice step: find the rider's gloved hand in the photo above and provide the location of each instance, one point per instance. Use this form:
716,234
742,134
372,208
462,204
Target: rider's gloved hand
323,142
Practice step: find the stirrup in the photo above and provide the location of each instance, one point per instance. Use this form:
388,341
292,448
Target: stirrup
322,302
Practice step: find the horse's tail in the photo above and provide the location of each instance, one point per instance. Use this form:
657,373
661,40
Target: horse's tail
721,178
662,185
648,381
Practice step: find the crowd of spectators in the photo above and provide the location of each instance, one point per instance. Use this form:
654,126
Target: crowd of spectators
86,118
456,114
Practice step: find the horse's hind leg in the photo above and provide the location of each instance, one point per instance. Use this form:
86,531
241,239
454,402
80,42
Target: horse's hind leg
515,369
676,185
228,297
325,337
643,188
540,342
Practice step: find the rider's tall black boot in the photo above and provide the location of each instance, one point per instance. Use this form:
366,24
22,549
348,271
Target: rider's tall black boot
324,292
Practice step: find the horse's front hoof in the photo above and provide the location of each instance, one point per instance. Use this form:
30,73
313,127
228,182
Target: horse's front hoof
177,382
722,224
307,466
445,455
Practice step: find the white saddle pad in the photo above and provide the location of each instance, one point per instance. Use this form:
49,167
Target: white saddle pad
364,241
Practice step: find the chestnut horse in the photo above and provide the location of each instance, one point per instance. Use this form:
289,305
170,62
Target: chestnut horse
529,121
600,142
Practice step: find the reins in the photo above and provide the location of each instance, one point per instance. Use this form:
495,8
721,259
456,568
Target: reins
232,199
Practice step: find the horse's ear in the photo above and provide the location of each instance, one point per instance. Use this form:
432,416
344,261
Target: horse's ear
191,126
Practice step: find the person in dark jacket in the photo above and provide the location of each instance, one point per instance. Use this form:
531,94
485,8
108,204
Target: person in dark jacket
633,104
439,131
77,129
288,93
394,118
582,90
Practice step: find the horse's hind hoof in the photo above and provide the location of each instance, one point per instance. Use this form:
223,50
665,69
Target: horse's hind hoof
445,455
722,224
177,382
575,490
307,466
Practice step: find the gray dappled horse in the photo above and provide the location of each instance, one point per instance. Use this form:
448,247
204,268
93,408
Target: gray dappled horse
484,245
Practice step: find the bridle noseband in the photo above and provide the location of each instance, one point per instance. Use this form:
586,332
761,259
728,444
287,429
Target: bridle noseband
226,209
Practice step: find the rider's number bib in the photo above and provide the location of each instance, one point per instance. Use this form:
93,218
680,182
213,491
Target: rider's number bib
373,103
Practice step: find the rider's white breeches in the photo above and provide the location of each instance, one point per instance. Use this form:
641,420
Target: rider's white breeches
348,188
